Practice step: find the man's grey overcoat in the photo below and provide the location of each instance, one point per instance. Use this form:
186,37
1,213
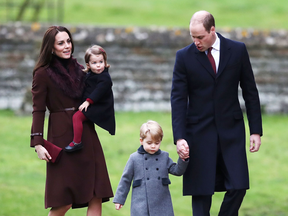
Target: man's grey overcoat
150,188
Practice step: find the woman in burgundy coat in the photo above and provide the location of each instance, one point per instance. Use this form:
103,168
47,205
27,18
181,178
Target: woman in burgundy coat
79,179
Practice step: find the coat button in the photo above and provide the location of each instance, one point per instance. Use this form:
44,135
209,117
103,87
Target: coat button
156,159
157,169
146,168
159,178
147,178
145,158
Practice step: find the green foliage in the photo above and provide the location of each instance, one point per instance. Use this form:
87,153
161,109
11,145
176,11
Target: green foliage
22,174
261,14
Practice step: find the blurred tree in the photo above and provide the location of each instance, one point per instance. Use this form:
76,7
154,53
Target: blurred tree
33,10
22,9
37,6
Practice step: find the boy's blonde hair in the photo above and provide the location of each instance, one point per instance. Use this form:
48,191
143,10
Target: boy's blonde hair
153,128
95,50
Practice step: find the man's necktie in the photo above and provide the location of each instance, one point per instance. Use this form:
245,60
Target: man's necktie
211,59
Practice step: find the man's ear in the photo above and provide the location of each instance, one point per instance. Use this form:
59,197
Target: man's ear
212,29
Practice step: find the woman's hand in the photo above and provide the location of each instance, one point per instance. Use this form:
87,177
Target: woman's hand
42,153
84,105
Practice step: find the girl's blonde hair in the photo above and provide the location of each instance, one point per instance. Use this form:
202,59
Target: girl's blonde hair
95,50
153,128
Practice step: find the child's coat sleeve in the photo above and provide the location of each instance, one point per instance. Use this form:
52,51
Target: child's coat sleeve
125,183
178,168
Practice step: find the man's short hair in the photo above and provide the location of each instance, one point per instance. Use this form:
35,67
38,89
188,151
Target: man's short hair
208,22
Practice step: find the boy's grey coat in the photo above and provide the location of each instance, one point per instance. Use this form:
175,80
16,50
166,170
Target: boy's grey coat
150,191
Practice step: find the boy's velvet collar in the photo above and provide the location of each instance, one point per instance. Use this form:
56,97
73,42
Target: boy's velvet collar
142,151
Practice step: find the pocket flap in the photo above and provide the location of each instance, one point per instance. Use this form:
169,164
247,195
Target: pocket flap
166,181
192,120
238,115
137,183
236,65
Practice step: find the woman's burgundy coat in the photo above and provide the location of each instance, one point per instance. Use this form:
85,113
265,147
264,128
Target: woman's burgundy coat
78,176
98,88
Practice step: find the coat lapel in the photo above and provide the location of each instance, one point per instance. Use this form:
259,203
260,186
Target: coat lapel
225,53
203,59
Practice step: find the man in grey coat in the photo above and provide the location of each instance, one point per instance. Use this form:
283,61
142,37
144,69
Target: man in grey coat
148,168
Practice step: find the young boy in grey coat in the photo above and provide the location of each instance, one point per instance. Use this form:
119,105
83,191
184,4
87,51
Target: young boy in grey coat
148,168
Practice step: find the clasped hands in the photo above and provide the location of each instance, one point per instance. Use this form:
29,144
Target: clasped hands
182,149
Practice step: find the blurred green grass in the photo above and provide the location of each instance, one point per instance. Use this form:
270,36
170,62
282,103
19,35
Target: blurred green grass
22,174
260,14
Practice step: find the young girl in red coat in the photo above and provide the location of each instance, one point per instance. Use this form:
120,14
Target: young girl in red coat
98,105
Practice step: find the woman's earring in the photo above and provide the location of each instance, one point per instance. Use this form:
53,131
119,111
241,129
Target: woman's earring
52,52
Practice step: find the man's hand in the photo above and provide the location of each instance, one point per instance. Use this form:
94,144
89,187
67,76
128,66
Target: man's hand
255,142
182,149
118,206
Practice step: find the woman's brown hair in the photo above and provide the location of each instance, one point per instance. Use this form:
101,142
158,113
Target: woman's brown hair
48,41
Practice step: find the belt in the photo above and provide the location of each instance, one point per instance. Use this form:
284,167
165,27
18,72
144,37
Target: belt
63,110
